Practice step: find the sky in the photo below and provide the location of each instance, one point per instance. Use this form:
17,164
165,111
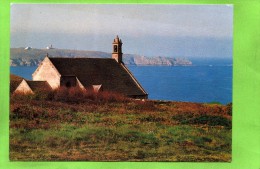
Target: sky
190,31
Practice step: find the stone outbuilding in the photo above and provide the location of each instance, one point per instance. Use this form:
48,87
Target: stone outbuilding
30,87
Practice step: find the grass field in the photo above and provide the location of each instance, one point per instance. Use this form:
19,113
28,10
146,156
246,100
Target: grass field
118,130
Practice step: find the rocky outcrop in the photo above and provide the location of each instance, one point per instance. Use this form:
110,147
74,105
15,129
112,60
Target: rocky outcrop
160,61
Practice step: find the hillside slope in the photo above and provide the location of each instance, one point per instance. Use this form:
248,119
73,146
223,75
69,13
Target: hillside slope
109,129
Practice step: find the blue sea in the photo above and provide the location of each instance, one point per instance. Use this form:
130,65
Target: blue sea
203,82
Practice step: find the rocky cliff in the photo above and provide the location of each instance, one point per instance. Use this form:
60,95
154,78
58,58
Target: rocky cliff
32,57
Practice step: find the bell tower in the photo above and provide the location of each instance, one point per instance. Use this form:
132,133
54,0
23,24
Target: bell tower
117,50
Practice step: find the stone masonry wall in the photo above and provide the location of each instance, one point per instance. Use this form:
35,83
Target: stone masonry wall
47,72
23,88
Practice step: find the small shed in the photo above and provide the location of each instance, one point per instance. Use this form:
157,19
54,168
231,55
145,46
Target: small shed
30,87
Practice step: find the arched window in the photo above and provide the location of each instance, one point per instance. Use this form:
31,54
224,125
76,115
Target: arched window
115,48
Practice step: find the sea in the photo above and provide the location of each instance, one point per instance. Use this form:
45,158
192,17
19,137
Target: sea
206,81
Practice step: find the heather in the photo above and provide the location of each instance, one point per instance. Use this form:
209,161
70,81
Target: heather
72,125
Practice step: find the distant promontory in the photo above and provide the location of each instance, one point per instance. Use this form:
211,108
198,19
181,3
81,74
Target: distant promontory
32,57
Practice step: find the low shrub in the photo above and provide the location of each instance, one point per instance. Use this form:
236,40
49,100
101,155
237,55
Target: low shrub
209,120
142,105
21,97
107,96
152,119
140,154
229,109
137,136
132,136
71,95
149,139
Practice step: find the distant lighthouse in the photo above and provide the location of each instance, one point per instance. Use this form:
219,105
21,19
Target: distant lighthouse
49,47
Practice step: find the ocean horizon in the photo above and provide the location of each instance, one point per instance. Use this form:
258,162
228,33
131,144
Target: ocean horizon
204,82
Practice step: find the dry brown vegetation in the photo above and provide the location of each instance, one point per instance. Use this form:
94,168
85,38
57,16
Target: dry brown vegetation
14,82
76,126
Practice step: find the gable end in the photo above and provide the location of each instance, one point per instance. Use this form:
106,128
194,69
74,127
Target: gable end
47,71
24,88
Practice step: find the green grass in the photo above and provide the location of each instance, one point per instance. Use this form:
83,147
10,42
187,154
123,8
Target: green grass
119,131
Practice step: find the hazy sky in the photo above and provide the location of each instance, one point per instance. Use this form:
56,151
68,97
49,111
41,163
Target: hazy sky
151,30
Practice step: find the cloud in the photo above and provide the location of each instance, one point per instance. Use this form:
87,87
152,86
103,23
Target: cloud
165,20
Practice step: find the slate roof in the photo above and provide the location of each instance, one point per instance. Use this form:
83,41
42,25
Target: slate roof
14,82
39,85
14,85
113,76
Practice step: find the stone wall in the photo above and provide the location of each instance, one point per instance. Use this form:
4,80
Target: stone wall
47,72
23,87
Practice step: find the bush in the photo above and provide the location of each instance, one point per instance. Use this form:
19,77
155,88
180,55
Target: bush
229,109
142,105
110,97
151,118
71,95
137,136
77,95
21,97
